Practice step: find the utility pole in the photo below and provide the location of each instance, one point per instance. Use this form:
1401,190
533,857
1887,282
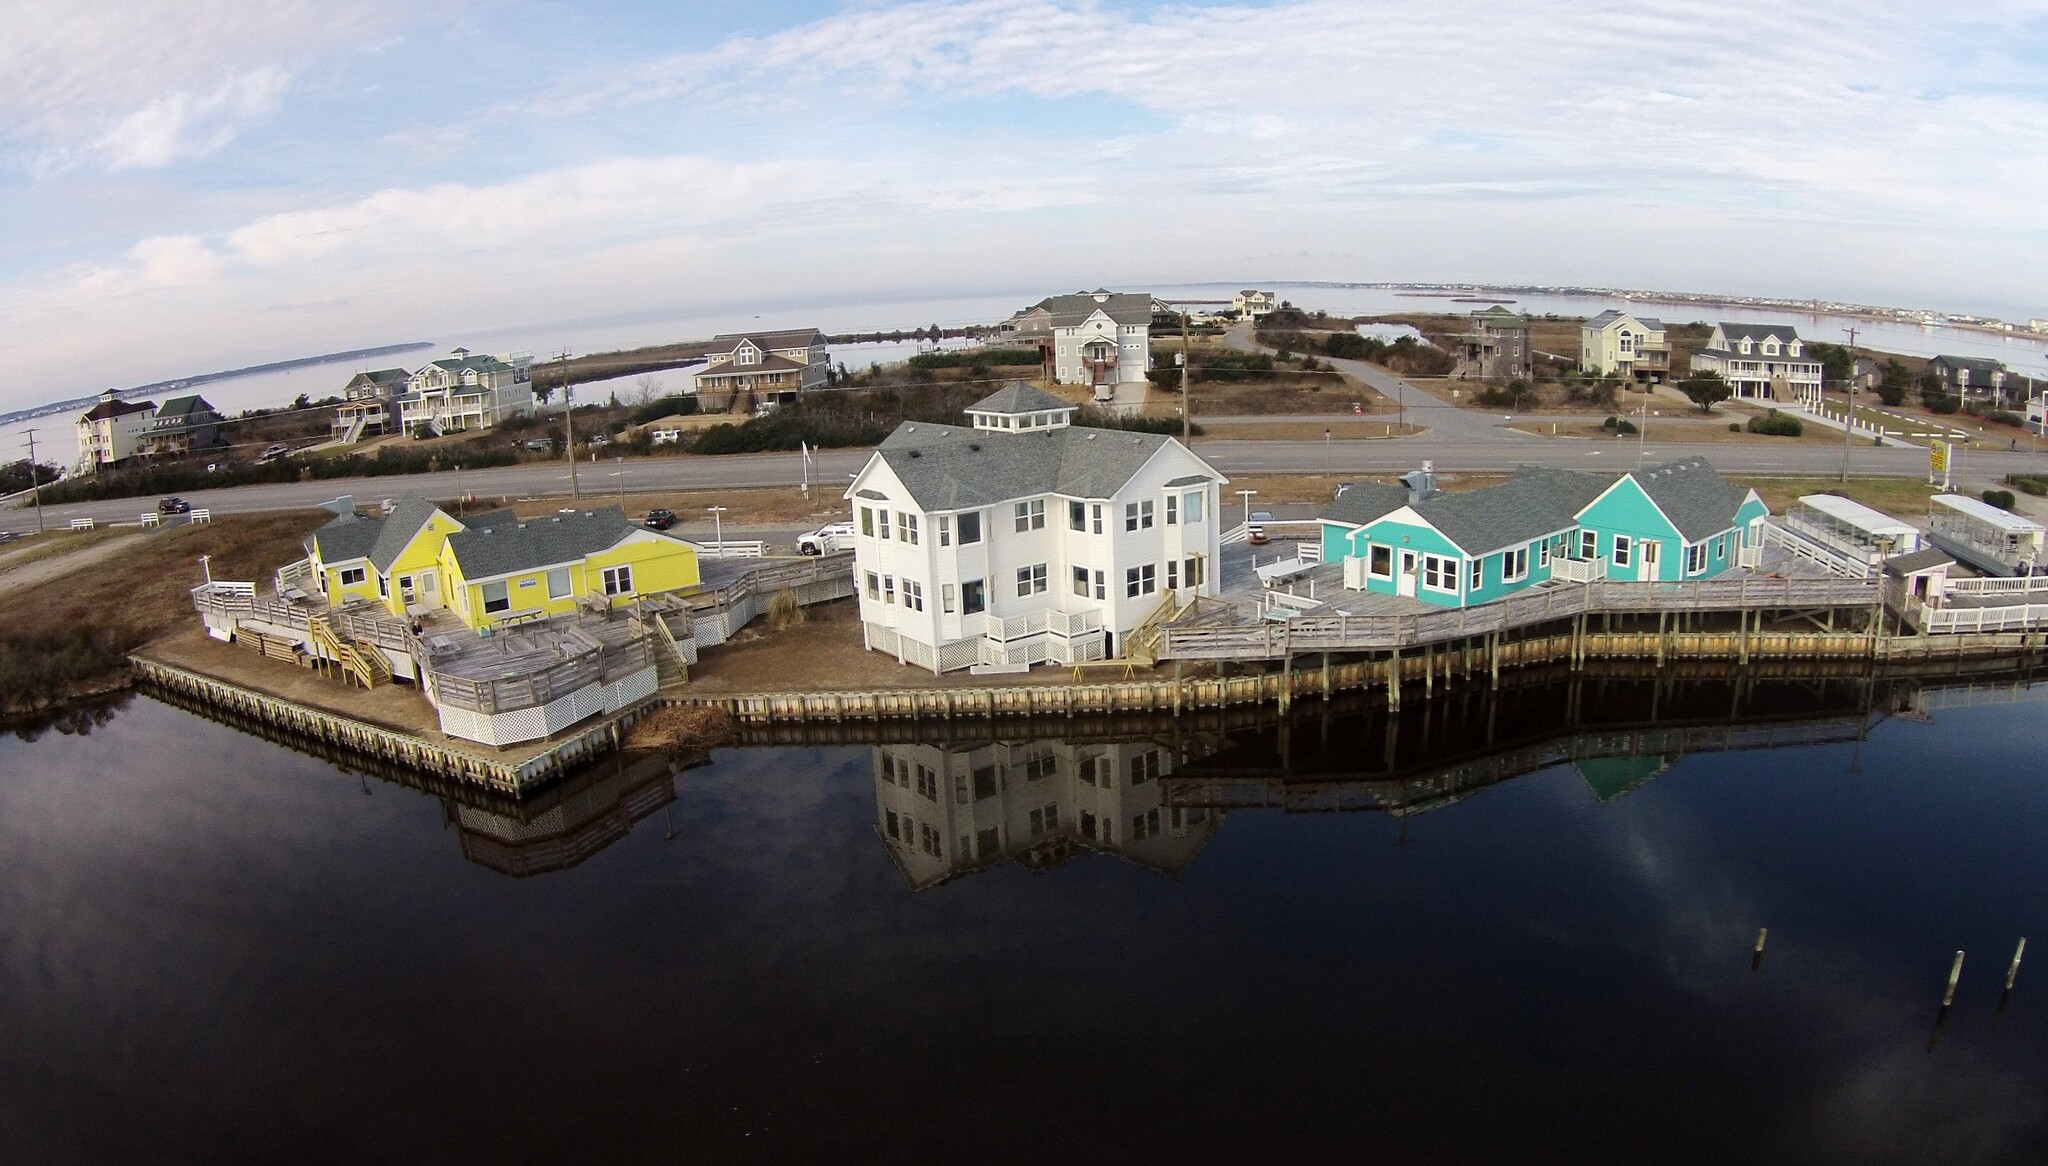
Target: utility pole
35,481
1187,403
569,425
1849,418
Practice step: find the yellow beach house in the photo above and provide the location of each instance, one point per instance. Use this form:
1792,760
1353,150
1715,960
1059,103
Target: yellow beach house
494,568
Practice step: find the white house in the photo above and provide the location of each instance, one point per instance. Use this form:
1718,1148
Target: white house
467,391
1625,345
112,431
1025,539
1761,362
1098,338
769,368
1252,305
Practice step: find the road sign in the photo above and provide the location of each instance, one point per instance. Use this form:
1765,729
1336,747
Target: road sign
1939,454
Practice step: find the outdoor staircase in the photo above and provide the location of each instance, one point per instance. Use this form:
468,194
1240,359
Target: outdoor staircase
359,662
671,670
1142,644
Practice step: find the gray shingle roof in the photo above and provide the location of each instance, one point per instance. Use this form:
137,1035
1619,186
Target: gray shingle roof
107,409
947,467
1921,560
407,516
1122,307
1976,364
767,341
1785,333
183,408
1611,315
349,536
538,542
1693,495
1533,503
1364,502
1019,397
474,362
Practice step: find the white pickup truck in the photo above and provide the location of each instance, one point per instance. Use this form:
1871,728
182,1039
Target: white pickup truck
827,539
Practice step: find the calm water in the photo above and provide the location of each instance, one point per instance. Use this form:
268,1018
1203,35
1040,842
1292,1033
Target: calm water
1512,929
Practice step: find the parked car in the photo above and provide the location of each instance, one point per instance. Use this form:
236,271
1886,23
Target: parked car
827,539
1255,530
275,452
174,506
659,519
538,444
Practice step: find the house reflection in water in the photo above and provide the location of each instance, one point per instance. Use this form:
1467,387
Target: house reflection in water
573,823
949,811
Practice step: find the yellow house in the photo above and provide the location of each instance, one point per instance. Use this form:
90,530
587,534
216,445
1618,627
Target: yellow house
493,567
543,566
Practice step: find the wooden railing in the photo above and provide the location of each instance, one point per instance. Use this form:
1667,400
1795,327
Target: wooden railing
542,686
366,667
793,573
1367,633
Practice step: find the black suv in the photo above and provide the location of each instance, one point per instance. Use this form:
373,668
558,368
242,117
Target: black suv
174,506
660,519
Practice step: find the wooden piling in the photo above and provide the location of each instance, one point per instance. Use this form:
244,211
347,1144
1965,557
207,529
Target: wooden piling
2012,972
1955,972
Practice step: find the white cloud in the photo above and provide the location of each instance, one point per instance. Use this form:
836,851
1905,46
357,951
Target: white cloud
182,125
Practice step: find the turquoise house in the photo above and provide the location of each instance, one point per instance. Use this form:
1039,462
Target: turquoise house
1672,523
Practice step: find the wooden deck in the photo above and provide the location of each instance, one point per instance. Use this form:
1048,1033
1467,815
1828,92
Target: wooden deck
1276,640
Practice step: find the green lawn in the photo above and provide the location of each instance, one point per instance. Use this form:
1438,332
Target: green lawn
1900,497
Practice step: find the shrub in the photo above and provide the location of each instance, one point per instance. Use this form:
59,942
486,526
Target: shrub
2006,417
1170,426
2002,499
1735,427
1943,405
1776,424
1610,423
969,357
1495,397
783,610
675,406
1891,394
1624,427
1345,345
2036,484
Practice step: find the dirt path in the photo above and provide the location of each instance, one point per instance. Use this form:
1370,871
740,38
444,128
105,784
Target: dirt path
56,566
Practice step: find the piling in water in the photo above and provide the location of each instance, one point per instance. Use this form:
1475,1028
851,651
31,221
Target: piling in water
2013,972
1756,959
1955,972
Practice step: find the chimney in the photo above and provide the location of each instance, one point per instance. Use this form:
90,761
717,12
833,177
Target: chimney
1421,483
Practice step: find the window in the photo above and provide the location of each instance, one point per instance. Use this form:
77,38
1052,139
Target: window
350,576
973,598
496,597
1514,565
1622,550
913,595
960,788
1030,580
1543,553
1138,515
989,841
888,768
1191,505
927,784
1031,515
1045,819
1695,558
1140,581
945,531
985,783
930,843
1077,516
1379,562
909,527
1191,571
970,527
558,583
888,589
618,580
1042,766
890,817
1101,585
1589,545
874,585
1478,574
1081,582
1439,573
1172,509
383,586
867,521
1145,767
1145,825
882,525
1172,575
946,599
1095,517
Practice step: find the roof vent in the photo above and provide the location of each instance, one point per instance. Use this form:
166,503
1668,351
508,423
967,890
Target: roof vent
916,453
975,446
522,526
1091,437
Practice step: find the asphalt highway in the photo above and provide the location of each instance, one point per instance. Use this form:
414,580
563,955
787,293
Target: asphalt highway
1459,445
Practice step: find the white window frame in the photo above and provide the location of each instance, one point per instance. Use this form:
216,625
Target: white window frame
560,574
503,601
1173,510
970,518
1624,550
913,595
1191,506
1589,545
1030,515
882,525
1440,574
1514,565
945,531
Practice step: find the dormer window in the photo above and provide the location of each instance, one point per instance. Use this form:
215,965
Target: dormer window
1744,346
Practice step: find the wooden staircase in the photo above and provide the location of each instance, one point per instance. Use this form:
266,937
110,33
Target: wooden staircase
670,669
1142,644
363,664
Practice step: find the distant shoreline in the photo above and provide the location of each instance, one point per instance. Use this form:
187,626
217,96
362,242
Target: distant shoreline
209,377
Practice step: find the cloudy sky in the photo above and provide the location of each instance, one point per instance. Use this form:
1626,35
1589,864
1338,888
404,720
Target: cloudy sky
188,184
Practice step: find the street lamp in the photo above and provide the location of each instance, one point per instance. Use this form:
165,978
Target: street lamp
718,528
1326,453
458,488
1247,496
620,474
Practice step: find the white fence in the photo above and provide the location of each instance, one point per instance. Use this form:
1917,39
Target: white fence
731,550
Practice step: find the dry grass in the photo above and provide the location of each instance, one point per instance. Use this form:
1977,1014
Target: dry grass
1670,429
681,727
1900,497
37,547
73,634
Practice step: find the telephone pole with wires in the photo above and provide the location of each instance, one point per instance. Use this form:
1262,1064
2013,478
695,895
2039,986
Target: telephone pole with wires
569,425
1187,402
1849,416
35,480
